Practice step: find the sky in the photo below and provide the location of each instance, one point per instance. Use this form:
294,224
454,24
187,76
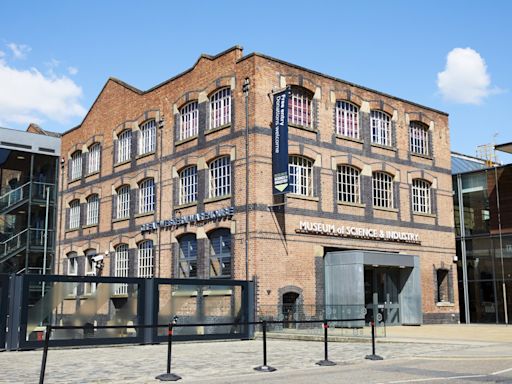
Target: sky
455,56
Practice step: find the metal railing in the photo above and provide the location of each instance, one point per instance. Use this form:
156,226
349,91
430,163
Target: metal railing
13,243
14,196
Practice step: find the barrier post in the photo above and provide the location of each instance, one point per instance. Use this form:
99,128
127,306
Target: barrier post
325,362
168,376
373,356
45,353
265,367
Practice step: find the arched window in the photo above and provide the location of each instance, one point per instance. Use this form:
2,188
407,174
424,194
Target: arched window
124,146
147,139
382,190
188,256
220,108
123,202
300,107
145,258
189,121
121,267
147,196
347,119
93,158
188,185
380,123
349,185
220,177
418,136
92,210
74,214
75,166
220,253
421,201
301,175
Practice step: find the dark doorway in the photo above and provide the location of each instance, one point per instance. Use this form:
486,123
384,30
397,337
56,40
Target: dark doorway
382,291
290,308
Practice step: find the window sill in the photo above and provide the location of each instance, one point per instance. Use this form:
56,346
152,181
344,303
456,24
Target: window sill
300,197
74,180
219,128
348,204
424,214
119,296
304,128
69,230
444,304
183,141
427,157
122,163
121,219
70,297
389,148
92,174
187,205
348,138
90,226
141,156
385,209
219,198
144,214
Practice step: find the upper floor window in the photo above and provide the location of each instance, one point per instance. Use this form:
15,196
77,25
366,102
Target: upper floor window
75,165
220,253
145,258
147,196
124,146
188,256
220,108
92,210
93,160
123,202
74,214
121,267
300,107
147,139
188,185
72,264
418,136
347,119
421,202
301,175
189,121
382,190
349,185
220,177
380,123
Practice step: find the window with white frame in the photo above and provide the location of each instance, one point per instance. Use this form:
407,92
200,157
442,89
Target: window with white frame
147,138
349,184
72,270
220,253
347,119
92,210
90,270
123,202
220,108
147,196
421,201
220,176
93,161
380,123
75,165
188,185
74,214
188,256
124,146
300,107
301,175
145,258
121,267
189,121
382,190
418,135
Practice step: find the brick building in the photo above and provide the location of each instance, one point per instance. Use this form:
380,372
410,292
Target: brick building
156,182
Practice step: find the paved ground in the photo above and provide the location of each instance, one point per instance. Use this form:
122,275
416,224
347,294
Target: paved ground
466,355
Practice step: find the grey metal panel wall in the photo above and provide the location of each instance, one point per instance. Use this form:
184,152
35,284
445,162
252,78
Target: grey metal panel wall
344,278
410,297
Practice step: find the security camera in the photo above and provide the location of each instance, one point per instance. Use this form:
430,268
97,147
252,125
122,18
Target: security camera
97,258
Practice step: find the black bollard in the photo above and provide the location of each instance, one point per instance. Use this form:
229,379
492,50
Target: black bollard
168,376
373,356
45,353
265,367
325,362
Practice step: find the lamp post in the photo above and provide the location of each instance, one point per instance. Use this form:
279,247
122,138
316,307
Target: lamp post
245,89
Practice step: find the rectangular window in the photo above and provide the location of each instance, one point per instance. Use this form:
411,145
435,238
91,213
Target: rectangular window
220,177
188,185
299,109
442,286
381,128
94,158
90,270
145,259
124,146
348,184
301,175
74,214
382,190
347,119
421,196
147,139
189,121
147,196
220,108
188,256
418,138
93,204
121,267
73,271
123,202
76,165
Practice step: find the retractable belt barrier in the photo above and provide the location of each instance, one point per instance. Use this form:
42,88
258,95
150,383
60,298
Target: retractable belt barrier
169,376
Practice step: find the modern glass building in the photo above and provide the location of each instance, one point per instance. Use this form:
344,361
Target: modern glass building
483,225
28,190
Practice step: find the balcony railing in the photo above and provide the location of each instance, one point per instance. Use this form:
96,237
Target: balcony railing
14,196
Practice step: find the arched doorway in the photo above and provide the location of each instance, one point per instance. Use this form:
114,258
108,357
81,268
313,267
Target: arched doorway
290,307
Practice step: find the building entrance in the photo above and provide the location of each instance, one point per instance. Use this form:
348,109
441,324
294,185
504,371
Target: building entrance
381,290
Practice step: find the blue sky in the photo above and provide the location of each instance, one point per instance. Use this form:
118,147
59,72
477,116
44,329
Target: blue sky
56,56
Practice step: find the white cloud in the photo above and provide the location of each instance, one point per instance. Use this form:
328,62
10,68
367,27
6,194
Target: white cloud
30,96
19,51
465,78
72,70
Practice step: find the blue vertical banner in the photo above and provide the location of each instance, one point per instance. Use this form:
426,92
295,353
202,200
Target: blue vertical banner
280,177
